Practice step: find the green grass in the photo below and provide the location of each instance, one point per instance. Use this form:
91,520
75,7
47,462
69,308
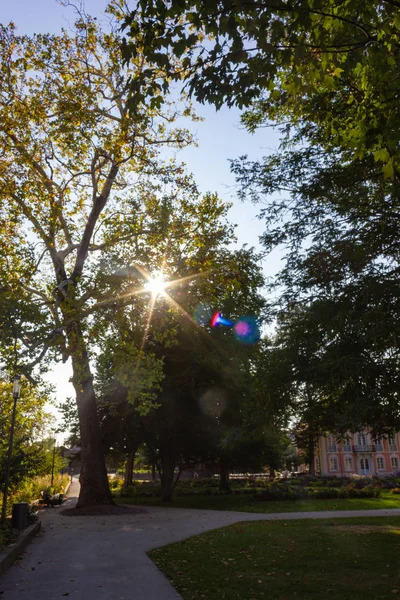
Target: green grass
346,559
248,504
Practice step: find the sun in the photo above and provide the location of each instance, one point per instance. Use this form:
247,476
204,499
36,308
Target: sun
156,285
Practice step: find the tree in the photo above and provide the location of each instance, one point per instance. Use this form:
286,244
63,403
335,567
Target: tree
331,65
32,420
339,310
328,74
73,162
182,369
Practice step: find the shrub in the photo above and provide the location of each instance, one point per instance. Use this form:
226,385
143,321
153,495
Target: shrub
325,493
31,489
389,482
5,535
395,490
279,492
115,483
351,491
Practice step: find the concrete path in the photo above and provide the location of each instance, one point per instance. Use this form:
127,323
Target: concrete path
104,558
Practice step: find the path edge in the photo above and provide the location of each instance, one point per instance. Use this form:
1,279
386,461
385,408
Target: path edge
13,551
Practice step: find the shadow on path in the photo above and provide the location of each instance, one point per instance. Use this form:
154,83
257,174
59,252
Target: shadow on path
104,557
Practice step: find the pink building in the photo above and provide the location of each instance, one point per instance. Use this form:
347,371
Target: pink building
359,454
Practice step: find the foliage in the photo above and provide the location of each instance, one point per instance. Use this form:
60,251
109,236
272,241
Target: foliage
196,379
79,135
31,489
287,492
6,535
338,313
333,66
327,74
30,456
258,490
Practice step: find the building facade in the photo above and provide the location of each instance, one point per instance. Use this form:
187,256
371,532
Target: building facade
358,454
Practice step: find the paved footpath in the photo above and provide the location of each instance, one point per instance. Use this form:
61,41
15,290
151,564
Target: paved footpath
104,558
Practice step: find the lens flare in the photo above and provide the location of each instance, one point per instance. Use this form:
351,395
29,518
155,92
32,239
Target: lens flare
218,319
203,314
246,330
213,402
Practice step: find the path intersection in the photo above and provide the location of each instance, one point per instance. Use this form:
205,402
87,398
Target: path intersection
104,557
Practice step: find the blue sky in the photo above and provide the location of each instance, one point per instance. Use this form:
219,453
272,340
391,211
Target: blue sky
220,137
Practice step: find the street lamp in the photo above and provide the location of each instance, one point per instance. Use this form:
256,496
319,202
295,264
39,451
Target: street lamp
53,461
16,392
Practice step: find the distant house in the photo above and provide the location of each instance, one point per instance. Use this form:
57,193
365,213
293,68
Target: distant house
357,454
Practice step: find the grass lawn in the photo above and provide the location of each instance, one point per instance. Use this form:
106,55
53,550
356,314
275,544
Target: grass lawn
248,504
346,559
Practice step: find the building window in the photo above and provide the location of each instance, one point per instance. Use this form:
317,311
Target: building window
380,463
361,439
392,444
348,463
347,445
394,461
331,443
318,465
333,463
378,446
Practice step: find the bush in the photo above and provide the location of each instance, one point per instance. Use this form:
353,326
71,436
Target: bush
279,492
115,483
325,493
389,482
351,491
395,490
5,535
139,490
30,489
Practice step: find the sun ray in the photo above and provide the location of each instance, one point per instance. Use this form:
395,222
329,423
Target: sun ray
153,297
111,301
183,312
146,330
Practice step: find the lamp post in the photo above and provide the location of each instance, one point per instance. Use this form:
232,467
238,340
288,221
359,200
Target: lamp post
16,391
54,457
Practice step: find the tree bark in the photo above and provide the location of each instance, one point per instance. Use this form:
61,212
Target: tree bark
130,459
153,471
167,478
271,473
93,476
224,479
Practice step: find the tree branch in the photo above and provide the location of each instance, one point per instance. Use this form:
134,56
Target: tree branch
91,222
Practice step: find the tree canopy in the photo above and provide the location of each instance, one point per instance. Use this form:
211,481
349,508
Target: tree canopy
333,65
326,74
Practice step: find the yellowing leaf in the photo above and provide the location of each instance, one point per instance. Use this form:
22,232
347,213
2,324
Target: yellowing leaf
382,155
388,170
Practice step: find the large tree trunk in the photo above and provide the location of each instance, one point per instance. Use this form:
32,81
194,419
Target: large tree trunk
224,479
153,471
167,478
128,480
93,476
